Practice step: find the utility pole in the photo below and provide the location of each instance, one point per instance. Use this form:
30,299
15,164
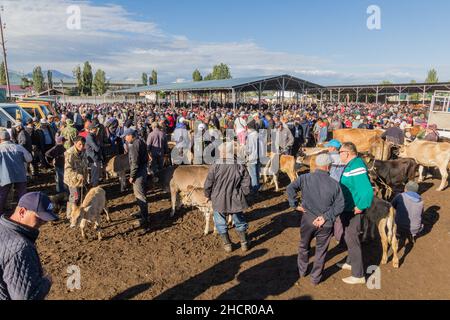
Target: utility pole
8,88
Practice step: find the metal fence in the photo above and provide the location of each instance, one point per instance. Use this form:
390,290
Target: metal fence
100,100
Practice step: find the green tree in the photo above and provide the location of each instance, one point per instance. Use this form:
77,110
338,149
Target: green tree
77,75
197,76
87,79
415,96
99,84
25,82
220,72
154,80
38,79
2,74
432,76
50,79
386,82
145,79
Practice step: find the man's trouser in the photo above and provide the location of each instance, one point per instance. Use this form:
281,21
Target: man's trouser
254,172
323,238
157,164
95,173
59,177
74,199
21,189
352,229
140,192
220,221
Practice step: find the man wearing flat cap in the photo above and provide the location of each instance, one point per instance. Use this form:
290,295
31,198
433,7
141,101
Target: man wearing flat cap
21,273
322,203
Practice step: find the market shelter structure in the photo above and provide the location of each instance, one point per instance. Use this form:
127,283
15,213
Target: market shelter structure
232,89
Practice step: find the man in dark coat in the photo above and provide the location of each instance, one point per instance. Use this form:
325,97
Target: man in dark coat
138,173
21,273
226,186
93,154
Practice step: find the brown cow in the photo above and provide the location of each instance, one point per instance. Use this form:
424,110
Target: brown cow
118,166
362,138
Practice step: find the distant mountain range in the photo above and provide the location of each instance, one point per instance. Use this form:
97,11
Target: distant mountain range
57,76
16,77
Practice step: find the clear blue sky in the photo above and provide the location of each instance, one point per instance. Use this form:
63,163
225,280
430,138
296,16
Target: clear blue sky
321,27
325,39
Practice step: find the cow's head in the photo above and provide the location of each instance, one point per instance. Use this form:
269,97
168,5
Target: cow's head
77,215
403,152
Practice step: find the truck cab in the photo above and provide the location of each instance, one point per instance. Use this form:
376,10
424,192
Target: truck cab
36,110
13,113
440,112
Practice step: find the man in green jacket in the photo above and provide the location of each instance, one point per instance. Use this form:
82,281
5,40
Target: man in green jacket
358,194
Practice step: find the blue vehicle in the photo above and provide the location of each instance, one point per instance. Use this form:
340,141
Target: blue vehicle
11,113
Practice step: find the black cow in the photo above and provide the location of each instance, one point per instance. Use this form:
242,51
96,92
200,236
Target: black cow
382,216
392,175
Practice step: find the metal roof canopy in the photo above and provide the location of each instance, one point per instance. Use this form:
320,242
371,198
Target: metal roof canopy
384,88
258,84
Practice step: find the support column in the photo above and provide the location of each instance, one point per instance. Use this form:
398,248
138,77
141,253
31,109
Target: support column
378,91
259,95
424,94
233,97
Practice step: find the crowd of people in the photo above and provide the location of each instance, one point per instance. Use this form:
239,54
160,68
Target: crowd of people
77,142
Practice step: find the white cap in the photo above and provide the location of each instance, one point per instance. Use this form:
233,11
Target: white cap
324,160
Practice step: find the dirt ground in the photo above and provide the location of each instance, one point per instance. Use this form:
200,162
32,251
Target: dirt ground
174,260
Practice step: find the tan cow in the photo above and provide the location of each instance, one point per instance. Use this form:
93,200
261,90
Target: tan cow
90,211
286,164
195,197
118,167
182,179
380,149
309,157
362,138
429,154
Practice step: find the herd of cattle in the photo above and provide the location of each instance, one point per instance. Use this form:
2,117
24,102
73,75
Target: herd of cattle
185,183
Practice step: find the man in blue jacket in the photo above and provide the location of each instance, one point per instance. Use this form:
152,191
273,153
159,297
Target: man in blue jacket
21,273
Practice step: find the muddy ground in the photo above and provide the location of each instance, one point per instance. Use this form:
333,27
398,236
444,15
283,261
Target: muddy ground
174,260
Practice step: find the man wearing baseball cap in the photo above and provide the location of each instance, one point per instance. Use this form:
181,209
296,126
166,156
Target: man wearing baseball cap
21,273
337,167
138,157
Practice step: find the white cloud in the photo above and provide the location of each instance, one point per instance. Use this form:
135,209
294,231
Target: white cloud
115,40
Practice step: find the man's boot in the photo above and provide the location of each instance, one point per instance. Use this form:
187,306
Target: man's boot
245,243
226,242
